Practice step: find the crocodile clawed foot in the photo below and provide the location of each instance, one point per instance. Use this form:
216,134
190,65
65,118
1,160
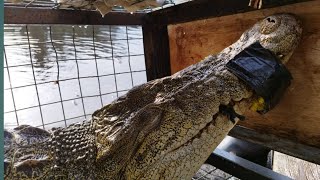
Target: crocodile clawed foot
230,113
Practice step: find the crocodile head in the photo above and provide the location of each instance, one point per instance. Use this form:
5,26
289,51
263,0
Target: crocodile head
185,144
279,33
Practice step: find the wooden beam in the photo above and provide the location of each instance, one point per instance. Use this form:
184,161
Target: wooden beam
202,9
156,51
21,15
274,142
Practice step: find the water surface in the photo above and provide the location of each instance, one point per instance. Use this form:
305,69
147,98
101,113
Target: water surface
62,74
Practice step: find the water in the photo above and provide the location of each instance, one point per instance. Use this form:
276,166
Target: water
107,67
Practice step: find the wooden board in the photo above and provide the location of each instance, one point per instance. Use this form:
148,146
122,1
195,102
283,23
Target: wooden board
295,168
297,117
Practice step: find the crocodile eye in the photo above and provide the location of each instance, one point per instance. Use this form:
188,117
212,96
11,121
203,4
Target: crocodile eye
269,25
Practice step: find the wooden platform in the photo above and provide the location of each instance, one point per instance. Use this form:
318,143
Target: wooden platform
297,117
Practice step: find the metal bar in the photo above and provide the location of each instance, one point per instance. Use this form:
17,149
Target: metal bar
64,120
15,15
202,9
57,122
96,63
34,76
240,167
78,70
58,75
30,107
107,58
10,84
73,79
21,109
156,51
129,59
114,68
60,41
286,146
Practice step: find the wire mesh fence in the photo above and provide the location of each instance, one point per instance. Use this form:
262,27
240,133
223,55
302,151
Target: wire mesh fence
58,75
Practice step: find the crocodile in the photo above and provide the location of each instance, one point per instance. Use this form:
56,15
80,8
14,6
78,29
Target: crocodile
163,129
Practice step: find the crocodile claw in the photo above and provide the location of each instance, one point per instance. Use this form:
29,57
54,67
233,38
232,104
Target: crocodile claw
230,113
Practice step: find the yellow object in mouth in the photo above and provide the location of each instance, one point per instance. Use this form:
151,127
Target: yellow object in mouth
258,105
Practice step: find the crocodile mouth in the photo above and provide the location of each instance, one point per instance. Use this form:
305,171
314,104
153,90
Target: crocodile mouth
205,128
199,133
229,114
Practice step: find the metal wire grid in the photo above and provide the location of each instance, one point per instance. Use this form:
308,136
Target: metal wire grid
86,114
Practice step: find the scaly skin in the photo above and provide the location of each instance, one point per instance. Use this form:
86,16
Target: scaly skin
163,129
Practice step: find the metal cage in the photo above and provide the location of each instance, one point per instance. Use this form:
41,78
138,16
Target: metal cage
155,42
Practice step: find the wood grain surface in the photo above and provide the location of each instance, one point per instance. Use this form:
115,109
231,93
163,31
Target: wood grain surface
297,116
295,168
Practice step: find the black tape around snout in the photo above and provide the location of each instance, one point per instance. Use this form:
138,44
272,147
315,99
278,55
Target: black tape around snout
263,72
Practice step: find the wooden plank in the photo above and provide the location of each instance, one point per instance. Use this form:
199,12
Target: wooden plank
201,9
156,51
295,168
297,116
21,15
271,141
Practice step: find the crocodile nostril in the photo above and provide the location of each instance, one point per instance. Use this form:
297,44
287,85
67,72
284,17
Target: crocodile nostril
271,20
